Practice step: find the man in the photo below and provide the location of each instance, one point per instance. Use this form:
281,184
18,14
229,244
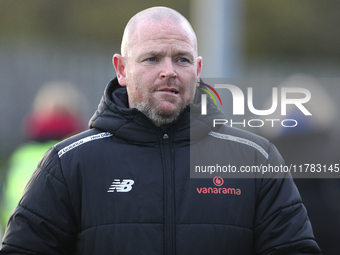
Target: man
124,186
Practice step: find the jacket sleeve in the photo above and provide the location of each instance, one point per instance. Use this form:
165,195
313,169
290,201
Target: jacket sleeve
43,222
281,222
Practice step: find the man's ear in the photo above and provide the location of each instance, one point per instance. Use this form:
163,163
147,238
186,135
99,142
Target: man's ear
119,63
199,69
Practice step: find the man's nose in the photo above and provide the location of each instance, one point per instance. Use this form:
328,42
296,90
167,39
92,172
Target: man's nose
168,69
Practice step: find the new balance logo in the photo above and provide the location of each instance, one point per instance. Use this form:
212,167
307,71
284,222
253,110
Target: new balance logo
121,186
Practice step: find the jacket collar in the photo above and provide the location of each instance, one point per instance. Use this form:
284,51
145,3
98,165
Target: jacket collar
113,115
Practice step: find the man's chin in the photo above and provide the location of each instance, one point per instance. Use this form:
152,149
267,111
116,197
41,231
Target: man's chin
164,112
164,115
167,113
167,107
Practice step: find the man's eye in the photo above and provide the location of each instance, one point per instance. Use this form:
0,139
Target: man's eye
183,60
153,59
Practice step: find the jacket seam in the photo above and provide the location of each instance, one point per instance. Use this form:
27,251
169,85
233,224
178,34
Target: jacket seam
161,223
221,224
289,243
67,188
118,223
267,162
21,250
47,221
44,169
279,210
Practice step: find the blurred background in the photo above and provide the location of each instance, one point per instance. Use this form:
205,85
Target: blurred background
74,41
44,40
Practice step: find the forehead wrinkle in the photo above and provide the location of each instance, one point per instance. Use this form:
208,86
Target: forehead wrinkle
163,52
147,40
159,49
161,42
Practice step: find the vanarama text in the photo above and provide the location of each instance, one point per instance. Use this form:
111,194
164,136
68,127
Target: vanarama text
215,190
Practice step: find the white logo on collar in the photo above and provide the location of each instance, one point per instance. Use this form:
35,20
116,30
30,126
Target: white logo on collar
121,186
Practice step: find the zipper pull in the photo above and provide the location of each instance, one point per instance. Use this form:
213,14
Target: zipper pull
166,138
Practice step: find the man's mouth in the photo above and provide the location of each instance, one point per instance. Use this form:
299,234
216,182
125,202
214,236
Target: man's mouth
172,90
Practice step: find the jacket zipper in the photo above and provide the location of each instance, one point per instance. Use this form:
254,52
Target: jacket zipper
169,226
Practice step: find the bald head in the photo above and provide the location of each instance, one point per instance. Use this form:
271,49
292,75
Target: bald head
155,14
158,64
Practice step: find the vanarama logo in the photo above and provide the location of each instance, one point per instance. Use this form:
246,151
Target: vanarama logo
218,181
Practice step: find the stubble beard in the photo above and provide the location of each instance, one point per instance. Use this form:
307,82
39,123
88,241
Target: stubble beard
157,115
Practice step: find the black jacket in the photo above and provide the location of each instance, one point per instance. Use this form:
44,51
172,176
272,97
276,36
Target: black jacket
124,187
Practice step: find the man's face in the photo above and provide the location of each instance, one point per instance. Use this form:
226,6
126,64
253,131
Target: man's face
161,68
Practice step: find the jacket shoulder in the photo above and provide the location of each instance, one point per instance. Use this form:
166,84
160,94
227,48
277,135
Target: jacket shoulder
244,134
77,141
247,139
